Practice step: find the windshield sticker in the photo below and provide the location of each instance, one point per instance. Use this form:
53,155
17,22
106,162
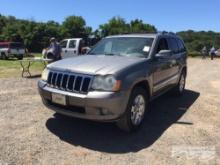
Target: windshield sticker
146,49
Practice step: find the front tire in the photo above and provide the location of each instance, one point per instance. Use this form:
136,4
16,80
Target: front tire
20,57
180,88
3,56
135,112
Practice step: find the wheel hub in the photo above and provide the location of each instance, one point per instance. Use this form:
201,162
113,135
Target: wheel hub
138,109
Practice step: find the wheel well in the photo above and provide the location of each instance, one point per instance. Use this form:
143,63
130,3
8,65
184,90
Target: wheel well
50,55
145,85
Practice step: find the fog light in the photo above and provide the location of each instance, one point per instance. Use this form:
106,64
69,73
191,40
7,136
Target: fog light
104,111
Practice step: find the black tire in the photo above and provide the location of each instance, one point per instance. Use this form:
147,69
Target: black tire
3,56
125,123
20,58
178,90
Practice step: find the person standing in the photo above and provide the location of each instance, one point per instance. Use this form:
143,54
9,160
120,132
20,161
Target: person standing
204,52
55,50
212,52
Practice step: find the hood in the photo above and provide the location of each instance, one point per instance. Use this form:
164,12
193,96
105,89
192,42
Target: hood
94,64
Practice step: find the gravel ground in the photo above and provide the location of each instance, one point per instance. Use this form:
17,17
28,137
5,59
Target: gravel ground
182,130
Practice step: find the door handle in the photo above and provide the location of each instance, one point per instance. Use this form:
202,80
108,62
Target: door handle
65,51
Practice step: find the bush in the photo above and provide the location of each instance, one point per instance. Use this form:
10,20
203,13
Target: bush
194,54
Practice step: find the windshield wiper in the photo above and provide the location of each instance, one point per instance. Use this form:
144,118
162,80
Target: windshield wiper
110,54
114,54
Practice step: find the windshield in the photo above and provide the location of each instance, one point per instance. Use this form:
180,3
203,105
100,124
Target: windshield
123,46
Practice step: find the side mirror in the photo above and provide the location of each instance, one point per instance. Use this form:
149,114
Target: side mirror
164,54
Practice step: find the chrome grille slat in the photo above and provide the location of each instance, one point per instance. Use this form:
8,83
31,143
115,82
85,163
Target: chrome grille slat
67,82
56,80
82,84
72,82
52,79
61,81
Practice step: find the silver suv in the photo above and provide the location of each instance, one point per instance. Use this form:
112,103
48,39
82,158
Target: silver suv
117,79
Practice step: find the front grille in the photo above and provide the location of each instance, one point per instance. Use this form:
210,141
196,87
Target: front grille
76,83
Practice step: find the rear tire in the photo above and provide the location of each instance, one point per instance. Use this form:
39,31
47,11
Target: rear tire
135,112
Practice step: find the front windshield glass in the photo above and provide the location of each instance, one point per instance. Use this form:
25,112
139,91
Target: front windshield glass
123,46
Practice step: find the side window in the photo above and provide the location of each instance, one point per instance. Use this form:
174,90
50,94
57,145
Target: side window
72,44
181,45
173,45
162,45
63,44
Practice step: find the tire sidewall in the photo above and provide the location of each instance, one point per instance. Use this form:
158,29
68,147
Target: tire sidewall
179,91
137,91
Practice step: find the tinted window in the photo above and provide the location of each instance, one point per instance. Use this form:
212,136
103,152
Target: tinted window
16,45
173,45
162,45
63,44
72,44
181,45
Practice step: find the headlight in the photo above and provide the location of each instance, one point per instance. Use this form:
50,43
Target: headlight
44,74
106,83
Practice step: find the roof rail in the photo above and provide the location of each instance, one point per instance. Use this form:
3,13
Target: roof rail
142,32
166,33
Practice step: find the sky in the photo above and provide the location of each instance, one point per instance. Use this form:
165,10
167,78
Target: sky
169,15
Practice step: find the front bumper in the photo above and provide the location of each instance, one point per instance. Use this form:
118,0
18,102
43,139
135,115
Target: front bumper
96,105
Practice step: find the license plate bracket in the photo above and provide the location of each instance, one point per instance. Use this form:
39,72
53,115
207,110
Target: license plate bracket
58,98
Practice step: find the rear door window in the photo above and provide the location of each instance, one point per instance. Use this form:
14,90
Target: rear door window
72,44
173,45
181,45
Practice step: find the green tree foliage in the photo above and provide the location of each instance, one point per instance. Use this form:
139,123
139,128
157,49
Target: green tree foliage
138,26
75,26
195,41
118,25
36,35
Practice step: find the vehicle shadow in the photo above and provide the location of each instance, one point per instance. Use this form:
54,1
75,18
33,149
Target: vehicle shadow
106,137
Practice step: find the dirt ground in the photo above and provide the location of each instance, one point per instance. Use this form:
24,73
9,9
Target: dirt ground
182,130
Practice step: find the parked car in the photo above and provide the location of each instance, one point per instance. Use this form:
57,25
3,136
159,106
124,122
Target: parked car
217,53
12,49
117,79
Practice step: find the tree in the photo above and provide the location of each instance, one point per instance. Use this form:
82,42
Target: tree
116,25
137,26
75,26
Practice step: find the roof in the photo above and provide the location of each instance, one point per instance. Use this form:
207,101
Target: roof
72,39
148,35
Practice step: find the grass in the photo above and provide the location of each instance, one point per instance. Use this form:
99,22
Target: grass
12,67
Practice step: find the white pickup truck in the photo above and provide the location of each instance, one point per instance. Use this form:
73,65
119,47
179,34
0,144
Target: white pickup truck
73,47
11,49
